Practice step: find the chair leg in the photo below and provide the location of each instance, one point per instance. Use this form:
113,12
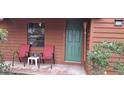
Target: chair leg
24,64
19,59
13,61
43,61
51,63
53,60
25,59
39,63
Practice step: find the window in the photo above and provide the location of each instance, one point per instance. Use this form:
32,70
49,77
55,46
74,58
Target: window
36,34
118,22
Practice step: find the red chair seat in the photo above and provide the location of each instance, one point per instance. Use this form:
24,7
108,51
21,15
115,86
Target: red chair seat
23,52
48,53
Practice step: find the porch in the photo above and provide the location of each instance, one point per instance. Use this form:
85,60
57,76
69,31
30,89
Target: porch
51,32
58,69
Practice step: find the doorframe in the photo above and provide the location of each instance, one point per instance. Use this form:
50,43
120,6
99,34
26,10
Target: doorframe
82,58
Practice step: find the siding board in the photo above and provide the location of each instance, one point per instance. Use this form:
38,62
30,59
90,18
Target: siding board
104,29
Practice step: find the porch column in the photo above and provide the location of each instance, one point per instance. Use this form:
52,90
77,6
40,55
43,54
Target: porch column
84,44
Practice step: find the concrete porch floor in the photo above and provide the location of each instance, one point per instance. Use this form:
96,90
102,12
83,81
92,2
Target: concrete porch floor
58,69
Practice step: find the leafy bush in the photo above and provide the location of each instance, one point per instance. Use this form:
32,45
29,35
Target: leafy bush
119,50
1,57
4,67
3,37
99,58
101,54
3,34
119,67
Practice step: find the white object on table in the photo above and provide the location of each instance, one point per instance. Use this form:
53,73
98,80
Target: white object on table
36,59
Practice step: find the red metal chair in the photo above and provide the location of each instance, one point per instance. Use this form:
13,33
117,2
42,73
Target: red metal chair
22,53
48,54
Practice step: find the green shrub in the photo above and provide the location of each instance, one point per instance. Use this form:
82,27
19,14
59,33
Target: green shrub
101,54
3,37
3,34
99,58
4,67
119,67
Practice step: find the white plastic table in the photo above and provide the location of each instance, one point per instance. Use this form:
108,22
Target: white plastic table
35,59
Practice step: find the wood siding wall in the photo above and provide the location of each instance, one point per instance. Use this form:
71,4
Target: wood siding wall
17,28
55,34
86,46
104,29
17,34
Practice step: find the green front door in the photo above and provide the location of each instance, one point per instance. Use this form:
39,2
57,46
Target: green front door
73,51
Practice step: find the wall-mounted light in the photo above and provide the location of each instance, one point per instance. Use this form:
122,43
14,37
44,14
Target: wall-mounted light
118,22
